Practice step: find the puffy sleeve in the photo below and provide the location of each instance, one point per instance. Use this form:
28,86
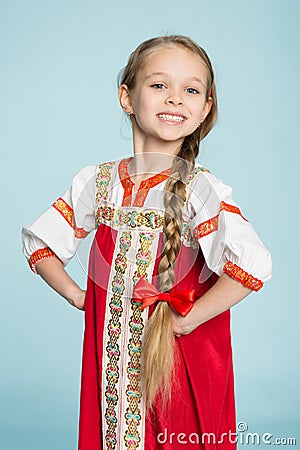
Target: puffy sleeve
228,241
59,230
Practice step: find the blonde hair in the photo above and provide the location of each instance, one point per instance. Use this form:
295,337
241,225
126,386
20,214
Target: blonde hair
158,358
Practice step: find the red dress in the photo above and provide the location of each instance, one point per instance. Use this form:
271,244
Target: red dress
127,247
203,400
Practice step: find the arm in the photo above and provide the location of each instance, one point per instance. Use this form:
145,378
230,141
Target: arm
53,272
231,249
225,293
52,240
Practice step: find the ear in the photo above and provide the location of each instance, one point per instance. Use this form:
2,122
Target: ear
206,109
124,98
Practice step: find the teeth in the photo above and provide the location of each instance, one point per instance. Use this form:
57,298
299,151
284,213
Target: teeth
171,117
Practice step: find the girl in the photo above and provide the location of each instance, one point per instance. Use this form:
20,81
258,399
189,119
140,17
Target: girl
172,253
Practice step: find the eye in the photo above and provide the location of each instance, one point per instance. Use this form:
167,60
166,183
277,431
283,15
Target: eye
158,86
192,91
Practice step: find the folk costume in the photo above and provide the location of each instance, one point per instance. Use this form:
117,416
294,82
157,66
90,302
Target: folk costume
127,247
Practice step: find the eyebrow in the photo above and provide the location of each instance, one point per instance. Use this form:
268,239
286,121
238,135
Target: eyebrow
199,80
164,73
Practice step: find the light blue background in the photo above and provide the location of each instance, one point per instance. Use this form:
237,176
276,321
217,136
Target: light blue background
59,112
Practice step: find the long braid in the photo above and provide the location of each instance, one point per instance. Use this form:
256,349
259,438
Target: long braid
158,357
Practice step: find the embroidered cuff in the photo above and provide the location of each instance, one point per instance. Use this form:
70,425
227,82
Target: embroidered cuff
38,255
243,277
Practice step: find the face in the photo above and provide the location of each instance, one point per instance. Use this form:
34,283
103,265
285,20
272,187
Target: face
169,97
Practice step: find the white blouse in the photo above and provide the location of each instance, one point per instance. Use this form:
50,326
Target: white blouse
228,241
211,219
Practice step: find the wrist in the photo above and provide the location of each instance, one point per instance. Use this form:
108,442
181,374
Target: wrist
75,296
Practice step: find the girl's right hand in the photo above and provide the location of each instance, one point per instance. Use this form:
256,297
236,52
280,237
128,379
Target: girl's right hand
52,271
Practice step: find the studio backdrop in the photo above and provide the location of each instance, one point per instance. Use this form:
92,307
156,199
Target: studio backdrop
59,112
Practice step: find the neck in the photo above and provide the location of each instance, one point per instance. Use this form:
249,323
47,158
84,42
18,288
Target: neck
147,164
152,156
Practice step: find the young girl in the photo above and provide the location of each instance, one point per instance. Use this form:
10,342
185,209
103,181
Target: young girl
172,253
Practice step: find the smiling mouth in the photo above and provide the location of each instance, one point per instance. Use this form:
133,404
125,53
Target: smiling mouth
171,118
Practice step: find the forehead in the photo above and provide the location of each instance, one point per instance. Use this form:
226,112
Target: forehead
174,60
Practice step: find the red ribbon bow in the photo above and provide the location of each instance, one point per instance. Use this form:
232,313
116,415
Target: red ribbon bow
182,301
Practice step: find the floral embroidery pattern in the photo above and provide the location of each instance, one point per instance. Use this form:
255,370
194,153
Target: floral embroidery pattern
103,180
243,277
211,225
68,214
38,255
143,256
133,390
113,348
196,170
187,236
132,219
136,219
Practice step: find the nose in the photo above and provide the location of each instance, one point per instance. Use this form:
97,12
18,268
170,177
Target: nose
174,98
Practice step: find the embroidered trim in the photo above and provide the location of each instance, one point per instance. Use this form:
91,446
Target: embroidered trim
206,228
231,208
113,348
103,180
68,214
38,255
133,219
187,236
211,225
147,184
196,170
143,256
65,210
133,390
243,277
144,187
126,181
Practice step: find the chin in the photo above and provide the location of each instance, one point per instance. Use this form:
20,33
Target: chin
169,136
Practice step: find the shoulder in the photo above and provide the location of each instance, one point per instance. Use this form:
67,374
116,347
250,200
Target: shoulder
86,171
92,172
206,187
84,177
198,169
202,177
104,170
107,165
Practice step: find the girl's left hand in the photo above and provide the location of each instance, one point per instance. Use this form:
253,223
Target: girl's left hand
182,325
224,294
78,299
